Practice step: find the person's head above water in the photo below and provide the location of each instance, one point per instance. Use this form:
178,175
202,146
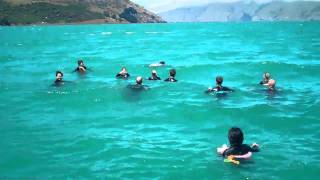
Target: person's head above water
123,70
266,76
154,73
162,62
80,62
139,80
219,80
235,137
172,72
59,76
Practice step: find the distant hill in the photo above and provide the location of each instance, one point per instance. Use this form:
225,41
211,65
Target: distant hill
246,11
20,12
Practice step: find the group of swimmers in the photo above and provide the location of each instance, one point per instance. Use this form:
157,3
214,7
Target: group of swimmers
237,150
267,81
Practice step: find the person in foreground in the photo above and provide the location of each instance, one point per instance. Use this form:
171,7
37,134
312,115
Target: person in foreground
219,87
123,74
81,67
161,63
172,76
154,76
59,78
268,81
139,84
237,149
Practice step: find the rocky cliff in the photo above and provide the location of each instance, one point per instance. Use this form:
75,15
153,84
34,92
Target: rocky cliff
17,12
247,11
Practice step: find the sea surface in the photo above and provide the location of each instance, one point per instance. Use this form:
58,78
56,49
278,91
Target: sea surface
94,126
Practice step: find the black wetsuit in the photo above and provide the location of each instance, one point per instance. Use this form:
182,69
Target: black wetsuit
123,76
58,82
264,82
154,78
241,150
171,79
78,68
138,87
219,88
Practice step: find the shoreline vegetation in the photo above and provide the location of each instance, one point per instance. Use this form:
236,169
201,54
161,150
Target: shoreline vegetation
39,12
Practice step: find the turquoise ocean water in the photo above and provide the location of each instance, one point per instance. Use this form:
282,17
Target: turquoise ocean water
95,127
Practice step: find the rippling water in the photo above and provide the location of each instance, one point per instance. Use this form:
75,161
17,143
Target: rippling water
94,127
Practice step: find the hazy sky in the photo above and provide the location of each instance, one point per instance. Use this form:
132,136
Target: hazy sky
164,5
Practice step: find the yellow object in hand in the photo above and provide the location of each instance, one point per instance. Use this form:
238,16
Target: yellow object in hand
232,160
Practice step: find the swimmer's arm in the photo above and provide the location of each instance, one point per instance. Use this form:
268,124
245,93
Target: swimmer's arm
222,150
77,69
210,89
227,89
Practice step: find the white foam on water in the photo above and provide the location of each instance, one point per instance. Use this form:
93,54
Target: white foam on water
130,33
152,32
106,33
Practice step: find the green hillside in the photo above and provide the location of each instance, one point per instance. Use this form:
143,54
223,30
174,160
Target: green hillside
19,12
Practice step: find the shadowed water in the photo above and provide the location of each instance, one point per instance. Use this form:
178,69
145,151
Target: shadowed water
95,127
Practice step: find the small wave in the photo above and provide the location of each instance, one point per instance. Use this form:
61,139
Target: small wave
153,32
92,34
129,33
106,33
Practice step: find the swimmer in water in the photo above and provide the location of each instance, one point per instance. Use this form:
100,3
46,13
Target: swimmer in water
161,63
154,76
219,87
271,85
237,147
81,67
268,81
266,77
172,76
123,74
59,78
139,84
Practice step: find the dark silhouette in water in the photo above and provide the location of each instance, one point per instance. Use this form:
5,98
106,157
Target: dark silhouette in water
138,86
154,76
172,75
123,74
133,91
219,87
81,67
268,81
59,79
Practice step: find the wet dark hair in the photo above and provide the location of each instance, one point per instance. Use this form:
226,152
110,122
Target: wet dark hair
80,61
162,62
59,72
235,136
173,72
219,80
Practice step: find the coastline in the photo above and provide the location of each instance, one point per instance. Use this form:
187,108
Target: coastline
88,22
102,21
